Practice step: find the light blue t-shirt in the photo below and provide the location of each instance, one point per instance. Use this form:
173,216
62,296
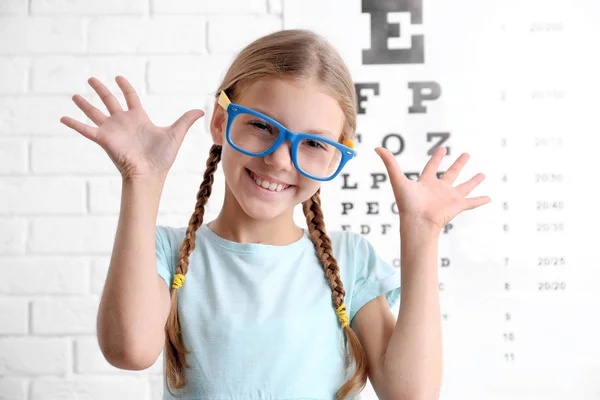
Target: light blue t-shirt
259,319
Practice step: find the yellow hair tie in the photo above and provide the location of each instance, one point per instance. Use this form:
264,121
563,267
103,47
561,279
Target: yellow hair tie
178,280
342,314
349,143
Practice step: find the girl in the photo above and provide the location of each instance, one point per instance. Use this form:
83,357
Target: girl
257,310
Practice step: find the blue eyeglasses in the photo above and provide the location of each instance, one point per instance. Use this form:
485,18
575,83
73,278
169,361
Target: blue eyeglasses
255,134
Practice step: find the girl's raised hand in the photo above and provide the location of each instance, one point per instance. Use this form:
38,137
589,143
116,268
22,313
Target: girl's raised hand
137,147
429,199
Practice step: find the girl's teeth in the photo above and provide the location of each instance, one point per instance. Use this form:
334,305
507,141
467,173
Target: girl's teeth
268,185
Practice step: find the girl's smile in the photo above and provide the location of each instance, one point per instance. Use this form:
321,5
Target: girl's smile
266,187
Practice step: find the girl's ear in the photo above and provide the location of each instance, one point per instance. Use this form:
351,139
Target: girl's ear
218,124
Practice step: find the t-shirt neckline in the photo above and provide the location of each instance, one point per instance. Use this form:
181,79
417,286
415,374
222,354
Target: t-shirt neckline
252,247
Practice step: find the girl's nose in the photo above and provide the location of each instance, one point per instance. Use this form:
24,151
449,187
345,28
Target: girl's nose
281,158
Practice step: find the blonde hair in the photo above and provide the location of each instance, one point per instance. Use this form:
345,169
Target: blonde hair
295,55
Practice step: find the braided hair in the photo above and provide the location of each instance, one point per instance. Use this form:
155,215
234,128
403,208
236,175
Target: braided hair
293,54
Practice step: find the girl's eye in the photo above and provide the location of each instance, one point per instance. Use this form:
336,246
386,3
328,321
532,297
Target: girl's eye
315,144
261,125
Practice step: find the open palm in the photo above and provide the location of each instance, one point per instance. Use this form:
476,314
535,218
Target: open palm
432,199
136,146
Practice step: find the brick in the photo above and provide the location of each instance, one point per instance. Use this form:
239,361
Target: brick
105,195
37,115
78,155
159,35
36,195
45,275
41,35
17,68
13,156
73,235
15,316
193,154
179,193
247,28
58,74
71,316
90,360
99,269
187,74
13,388
89,7
208,6
106,68
69,74
13,235
90,388
166,109
33,356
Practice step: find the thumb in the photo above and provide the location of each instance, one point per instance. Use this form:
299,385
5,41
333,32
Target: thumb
185,122
391,165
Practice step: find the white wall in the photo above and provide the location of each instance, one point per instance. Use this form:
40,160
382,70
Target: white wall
513,74
60,193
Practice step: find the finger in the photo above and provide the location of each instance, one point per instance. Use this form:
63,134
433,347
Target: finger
185,122
452,172
475,202
129,92
86,130
391,164
433,164
92,112
467,187
109,100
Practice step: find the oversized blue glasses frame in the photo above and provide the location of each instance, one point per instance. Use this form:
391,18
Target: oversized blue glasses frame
233,110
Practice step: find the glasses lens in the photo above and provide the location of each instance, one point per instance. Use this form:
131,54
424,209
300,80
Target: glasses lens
318,158
252,133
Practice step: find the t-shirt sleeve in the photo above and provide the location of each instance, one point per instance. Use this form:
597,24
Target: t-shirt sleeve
374,277
164,259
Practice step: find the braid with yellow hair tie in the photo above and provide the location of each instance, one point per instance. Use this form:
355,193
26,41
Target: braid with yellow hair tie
178,280
342,314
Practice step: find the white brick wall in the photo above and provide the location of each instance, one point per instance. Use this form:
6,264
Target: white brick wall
60,193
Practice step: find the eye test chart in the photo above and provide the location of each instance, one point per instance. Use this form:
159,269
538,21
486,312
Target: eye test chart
514,84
